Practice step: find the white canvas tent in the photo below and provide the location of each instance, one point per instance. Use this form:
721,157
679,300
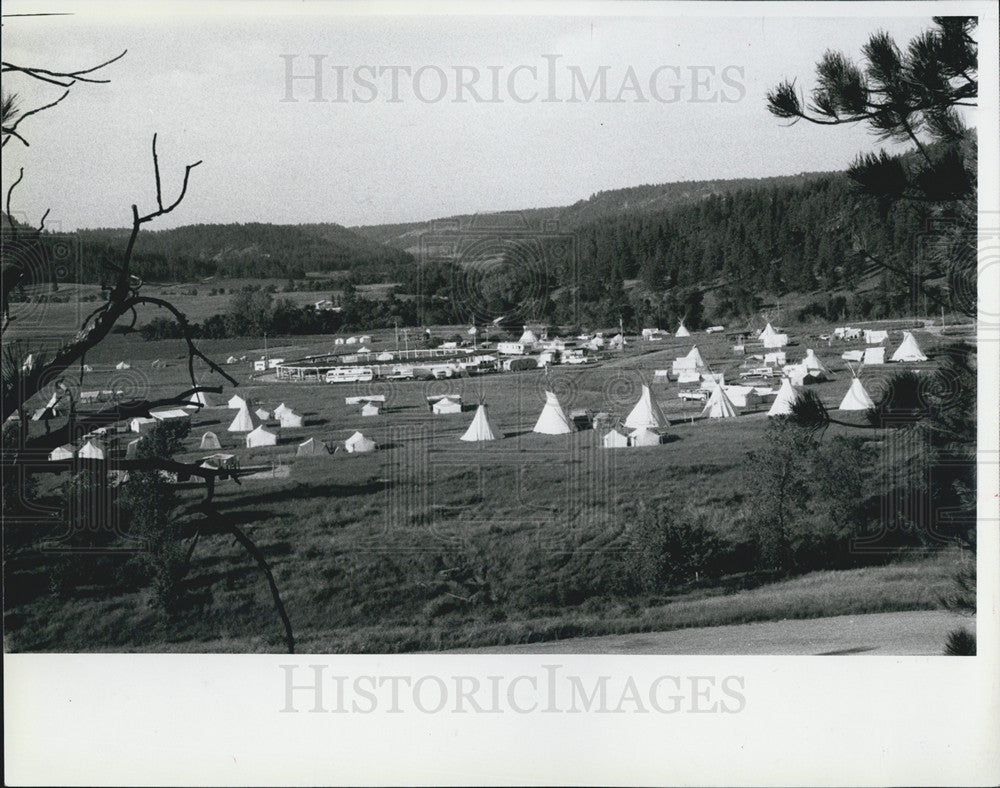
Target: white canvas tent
615,440
237,402
311,448
857,355
552,420
242,422
743,396
682,331
644,436
209,441
775,341
262,414
856,397
91,450
874,356
261,437
908,350
359,444
369,409
289,419
280,409
646,412
875,337
786,397
481,429
123,365
446,405
719,406
66,452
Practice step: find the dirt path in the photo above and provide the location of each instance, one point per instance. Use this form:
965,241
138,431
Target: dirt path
920,632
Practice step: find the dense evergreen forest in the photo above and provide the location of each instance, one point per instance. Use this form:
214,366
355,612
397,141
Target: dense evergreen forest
654,255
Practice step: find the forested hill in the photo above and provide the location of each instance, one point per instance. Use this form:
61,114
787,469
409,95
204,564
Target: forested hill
634,200
244,250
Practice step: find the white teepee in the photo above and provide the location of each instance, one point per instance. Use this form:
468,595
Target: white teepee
719,406
552,420
908,350
236,402
242,422
787,396
856,397
481,429
199,398
646,412
682,331
812,364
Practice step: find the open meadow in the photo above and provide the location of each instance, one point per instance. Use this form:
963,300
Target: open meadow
430,542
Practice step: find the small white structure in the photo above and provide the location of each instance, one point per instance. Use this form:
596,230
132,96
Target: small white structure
198,398
370,409
261,437
351,341
775,341
783,401
528,338
874,356
141,423
856,397
231,360
289,419
365,339
481,429
615,440
65,452
280,409
385,355
908,350
682,331
173,415
646,412
510,348
263,415
714,329
719,406
775,358
446,405
359,444
689,376
242,422
311,448
875,337
87,368
857,355
220,461
237,402
123,365
692,360
743,396
338,341
645,436
91,450
209,441
813,365
552,420
132,449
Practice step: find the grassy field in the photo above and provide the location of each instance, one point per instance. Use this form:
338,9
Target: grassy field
396,550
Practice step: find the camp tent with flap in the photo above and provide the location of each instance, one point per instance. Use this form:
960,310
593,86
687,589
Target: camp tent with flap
261,437
359,444
91,450
874,356
856,397
310,448
644,436
646,412
615,440
369,409
719,406
66,452
786,397
908,350
280,409
242,422
209,441
446,405
481,429
262,414
552,420
289,419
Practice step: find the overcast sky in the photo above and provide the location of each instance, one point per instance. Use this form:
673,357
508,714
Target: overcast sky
684,100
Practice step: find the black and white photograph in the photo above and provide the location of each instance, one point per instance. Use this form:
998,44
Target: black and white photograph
460,375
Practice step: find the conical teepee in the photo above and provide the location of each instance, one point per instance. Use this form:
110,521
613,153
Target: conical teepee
646,412
242,422
856,397
908,350
812,364
787,396
552,420
719,405
480,429
768,332
695,356
682,331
